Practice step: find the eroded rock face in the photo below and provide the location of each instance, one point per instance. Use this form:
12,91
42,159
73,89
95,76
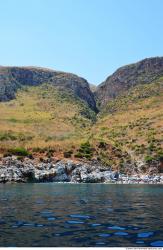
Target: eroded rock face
13,170
13,78
142,72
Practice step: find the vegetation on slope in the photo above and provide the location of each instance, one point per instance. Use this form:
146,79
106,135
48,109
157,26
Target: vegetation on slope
43,117
132,125
46,121
124,78
14,78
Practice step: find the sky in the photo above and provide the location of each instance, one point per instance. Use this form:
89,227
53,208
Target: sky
90,38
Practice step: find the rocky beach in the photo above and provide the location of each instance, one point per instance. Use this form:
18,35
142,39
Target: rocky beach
32,170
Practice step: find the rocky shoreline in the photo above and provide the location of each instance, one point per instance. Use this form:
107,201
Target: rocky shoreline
29,170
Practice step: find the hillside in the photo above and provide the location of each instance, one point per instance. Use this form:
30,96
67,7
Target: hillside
13,78
46,113
129,129
42,118
124,78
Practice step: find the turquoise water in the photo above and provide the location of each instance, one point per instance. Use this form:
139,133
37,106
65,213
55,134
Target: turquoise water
50,214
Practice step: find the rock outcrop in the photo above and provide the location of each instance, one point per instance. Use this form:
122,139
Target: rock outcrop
13,78
13,170
124,78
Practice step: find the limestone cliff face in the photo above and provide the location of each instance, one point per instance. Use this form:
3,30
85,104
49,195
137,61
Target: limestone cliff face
13,78
142,72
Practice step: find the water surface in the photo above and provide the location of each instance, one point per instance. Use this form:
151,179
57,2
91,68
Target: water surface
50,214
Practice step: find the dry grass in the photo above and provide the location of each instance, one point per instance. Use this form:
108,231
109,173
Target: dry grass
133,123
42,117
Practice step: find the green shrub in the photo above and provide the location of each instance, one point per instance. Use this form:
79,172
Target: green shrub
13,136
148,158
151,147
6,136
85,151
13,120
159,155
19,152
79,155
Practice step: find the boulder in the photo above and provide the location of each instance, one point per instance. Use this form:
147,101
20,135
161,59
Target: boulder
60,168
107,175
94,177
70,166
115,176
61,178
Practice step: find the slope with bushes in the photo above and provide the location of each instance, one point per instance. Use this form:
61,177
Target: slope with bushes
44,117
132,124
126,77
59,118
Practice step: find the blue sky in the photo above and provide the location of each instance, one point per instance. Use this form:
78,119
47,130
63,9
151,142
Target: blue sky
91,38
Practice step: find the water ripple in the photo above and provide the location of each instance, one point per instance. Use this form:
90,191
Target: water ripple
74,222
121,233
158,243
80,216
145,234
104,235
116,228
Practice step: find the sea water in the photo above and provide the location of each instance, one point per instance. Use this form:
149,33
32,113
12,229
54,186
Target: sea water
57,214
